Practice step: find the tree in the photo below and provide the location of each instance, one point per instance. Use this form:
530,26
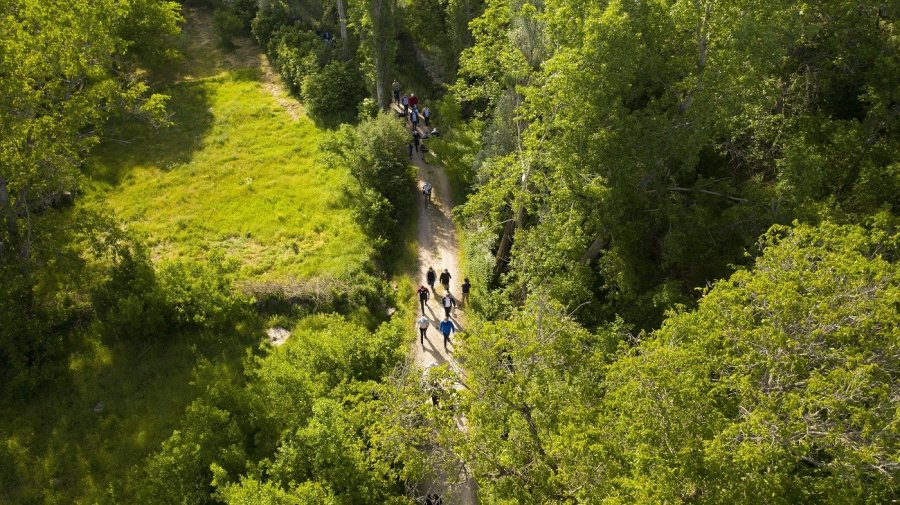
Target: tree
67,66
376,24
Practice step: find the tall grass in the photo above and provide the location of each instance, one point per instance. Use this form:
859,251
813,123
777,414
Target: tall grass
234,173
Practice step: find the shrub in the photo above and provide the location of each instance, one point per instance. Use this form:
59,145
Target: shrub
332,95
297,53
227,24
268,21
375,153
201,295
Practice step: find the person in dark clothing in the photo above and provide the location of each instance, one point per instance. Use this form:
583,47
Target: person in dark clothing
445,280
430,277
466,286
423,297
396,88
448,302
413,101
417,137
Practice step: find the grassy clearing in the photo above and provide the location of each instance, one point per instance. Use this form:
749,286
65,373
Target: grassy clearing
237,174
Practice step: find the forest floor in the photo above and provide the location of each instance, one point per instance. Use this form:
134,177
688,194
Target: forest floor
439,248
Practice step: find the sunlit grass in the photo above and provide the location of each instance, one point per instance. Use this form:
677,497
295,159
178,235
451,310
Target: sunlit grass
235,173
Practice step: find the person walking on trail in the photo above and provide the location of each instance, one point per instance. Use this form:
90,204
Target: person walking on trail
447,328
404,101
466,286
431,276
448,302
410,147
423,297
423,323
426,115
445,280
417,139
413,101
426,190
414,118
396,87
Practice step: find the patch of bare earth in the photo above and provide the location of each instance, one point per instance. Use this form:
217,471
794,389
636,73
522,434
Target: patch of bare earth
204,57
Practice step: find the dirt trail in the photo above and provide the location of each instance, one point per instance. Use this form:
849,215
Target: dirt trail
439,248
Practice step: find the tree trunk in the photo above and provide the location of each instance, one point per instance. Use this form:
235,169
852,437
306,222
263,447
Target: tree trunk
9,217
593,251
382,40
342,21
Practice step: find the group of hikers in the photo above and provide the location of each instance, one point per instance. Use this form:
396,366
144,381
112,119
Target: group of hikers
409,105
448,302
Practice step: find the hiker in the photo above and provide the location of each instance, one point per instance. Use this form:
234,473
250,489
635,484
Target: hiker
416,138
435,389
445,280
409,147
423,324
423,297
426,114
466,286
404,101
413,101
446,329
396,86
448,302
414,118
426,190
431,276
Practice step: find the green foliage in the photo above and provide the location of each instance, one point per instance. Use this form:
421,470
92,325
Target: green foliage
202,295
332,94
297,52
228,24
67,67
375,152
267,21
779,388
664,137
306,416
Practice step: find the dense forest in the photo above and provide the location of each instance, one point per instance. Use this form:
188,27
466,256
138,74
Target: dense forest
678,218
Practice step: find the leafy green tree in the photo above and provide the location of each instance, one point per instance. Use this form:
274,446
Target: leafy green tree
375,151
67,66
332,95
778,388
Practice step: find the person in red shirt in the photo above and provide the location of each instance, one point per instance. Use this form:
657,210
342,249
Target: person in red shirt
413,100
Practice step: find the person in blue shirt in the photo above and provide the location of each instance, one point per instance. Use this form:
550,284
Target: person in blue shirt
446,329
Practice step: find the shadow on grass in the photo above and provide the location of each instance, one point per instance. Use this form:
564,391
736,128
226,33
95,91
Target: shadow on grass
99,404
129,142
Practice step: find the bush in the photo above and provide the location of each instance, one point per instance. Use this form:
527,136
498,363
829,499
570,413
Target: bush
268,21
332,95
201,295
297,53
375,153
227,24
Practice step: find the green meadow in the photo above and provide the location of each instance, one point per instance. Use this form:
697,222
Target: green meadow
234,173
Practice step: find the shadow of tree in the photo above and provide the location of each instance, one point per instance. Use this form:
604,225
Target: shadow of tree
129,142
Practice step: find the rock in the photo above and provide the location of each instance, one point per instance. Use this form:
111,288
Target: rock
277,335
390,311
98,409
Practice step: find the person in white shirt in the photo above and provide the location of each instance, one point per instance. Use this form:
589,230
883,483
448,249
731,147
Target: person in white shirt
423,324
